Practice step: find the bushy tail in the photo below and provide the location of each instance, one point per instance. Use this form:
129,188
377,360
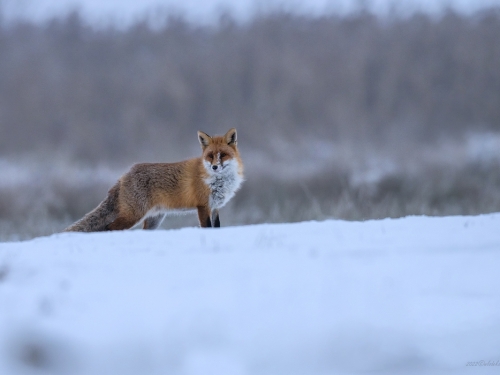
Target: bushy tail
100,217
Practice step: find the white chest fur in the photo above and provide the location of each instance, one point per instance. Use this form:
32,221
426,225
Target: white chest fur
223,185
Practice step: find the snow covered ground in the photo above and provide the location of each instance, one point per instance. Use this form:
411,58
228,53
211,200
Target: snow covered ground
408,296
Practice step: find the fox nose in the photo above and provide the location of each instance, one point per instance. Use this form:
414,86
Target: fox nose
214,167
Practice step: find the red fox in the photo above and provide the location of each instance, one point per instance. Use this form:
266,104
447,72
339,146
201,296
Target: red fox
148,191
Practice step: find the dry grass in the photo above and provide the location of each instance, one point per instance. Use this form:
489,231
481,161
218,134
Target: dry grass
47,203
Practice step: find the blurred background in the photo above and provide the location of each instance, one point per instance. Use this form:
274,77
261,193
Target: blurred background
345,109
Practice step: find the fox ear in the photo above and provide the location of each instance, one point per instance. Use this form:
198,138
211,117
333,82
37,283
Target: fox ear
204,139
231,137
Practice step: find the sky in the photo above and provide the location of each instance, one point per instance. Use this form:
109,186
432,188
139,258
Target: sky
123,12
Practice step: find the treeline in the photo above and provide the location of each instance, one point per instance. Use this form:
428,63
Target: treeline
346,117
109,94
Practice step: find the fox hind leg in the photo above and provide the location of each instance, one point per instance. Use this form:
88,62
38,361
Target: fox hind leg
121,223
153,222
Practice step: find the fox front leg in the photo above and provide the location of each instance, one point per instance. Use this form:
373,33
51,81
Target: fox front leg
204,217
215,218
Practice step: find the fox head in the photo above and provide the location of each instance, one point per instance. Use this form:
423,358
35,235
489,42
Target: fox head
219,152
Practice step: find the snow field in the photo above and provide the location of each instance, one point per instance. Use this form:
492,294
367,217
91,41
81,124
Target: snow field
413,295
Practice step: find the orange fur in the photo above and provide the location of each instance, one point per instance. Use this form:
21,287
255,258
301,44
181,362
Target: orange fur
149,190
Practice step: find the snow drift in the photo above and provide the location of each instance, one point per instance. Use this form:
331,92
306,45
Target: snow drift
412,295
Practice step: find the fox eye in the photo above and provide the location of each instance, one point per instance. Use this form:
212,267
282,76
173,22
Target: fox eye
211,156
222,154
